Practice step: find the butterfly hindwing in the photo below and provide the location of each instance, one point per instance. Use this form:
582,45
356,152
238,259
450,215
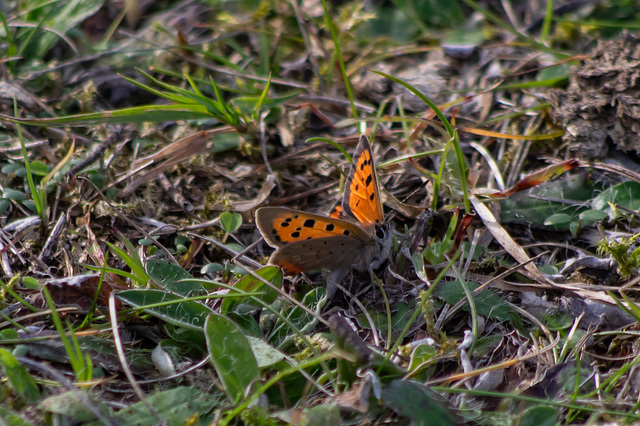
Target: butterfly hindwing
362,194
336,252
281,226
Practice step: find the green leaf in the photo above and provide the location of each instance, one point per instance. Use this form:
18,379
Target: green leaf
417,402
487,302
231,356
211,268
321,415
173,406
19,377
421,354
557,72
38,168
133,261
11,194
557,219
67,15
532,208
230,222
626,195
266,355
173,309
251,284
166,275
12,418
590,216
69,405
418,266
539,416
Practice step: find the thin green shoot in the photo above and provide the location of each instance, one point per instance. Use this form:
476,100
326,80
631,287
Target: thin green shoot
35,194
424,298
343,70
12,51
453,139
133,262
81,365
546,24
256,110
94,303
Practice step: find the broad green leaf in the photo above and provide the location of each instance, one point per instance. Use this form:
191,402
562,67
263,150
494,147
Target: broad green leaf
231,356
417,402
66,15
321,415
18,376
183,313
534,206
590,216
557,72
266,355
251,284
421,354
38,168
626,195
69,405
539,416
487,302
12,418
11,194
166,275
174,406
211,268
557,219
296,316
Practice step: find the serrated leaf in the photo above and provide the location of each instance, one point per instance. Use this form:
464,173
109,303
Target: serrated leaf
231,356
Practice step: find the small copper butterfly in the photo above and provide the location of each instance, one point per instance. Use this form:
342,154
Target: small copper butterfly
356,237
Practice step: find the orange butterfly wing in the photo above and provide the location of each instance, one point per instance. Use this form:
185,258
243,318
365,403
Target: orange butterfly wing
280,226
307,241
362,194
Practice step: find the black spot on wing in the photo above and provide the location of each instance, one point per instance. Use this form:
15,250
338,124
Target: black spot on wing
309,223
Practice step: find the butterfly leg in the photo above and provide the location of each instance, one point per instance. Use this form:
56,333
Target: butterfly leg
334,278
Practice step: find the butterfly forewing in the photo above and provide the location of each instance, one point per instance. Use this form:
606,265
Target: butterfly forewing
362,195
280,226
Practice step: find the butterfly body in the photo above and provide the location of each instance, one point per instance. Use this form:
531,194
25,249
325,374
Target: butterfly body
356,239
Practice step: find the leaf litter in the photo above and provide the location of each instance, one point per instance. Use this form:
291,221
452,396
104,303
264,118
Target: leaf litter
518,292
